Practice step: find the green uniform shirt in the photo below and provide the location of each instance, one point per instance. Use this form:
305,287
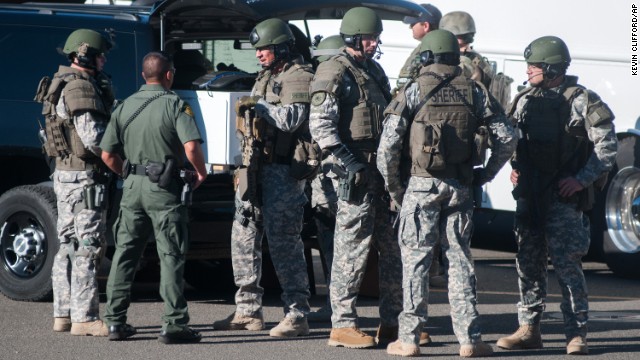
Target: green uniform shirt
158,132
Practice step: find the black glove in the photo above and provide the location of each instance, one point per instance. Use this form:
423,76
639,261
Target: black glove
350,163
479,177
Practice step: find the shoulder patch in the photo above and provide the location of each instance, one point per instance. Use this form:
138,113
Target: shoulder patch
187,110
318,98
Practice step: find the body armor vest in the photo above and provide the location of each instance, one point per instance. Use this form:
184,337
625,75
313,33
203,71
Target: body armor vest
361,110
441,136
288,87
552,147
82,93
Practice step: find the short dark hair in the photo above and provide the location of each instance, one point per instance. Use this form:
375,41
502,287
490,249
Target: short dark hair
155,64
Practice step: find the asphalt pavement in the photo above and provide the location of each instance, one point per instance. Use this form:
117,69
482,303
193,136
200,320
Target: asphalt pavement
614,328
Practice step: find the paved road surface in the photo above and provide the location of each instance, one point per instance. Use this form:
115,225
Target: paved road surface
25,328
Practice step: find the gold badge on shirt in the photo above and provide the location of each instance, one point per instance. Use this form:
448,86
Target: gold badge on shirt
187,110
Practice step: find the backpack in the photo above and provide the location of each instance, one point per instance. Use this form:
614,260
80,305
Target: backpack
500,88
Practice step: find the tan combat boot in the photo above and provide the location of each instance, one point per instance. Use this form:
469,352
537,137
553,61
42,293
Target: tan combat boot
350,338
403,349
61,324
290,327
526,337
236,321
478,349
577,346
388,334
89,328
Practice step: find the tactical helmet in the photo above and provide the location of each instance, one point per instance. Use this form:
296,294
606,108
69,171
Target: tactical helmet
439,46
85,42
271,32
361,20
458,22
439,42
549,50
328,46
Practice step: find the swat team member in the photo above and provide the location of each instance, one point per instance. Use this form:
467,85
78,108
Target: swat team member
428,20
153,129
349,92
441,110
475,66
77,104
324,200
567,144
272,200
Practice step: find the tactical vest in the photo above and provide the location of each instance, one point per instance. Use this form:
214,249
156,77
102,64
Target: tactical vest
477,67
410,68
362,108
552,147
288,87
441,136
82,93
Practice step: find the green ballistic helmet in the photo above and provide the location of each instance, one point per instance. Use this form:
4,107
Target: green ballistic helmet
360,20
458,22
549,50
328,47
85,42
440,42
271,32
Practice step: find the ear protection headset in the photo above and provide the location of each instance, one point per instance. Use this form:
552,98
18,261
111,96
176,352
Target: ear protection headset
426,58
352,41
552,71
86,57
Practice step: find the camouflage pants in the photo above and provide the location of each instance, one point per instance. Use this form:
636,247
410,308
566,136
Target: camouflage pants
280,217
435,211
565,240
360,225
81,233
324,201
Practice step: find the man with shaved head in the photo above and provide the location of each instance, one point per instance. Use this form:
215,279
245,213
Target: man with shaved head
156,132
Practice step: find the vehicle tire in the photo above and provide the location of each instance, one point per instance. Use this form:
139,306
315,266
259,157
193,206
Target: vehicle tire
622,211
28,242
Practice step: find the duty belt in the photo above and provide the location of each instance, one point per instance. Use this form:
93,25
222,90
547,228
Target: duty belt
136,169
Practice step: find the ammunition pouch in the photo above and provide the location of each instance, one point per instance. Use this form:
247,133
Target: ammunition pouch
432,152
95,196
76,145
162,174
241,181
153,171
56,144
306,159
158,173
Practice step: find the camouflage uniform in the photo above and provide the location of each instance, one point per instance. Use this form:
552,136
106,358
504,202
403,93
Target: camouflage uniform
563,234
281,212
81,231
324,201
410,68
359,224
437,209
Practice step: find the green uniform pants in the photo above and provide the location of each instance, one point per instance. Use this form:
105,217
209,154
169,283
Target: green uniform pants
146,209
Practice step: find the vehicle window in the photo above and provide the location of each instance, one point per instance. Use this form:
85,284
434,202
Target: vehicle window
224,57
